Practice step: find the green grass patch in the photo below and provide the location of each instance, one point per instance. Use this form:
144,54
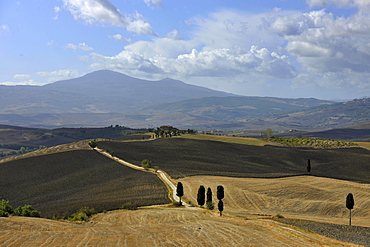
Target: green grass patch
313,142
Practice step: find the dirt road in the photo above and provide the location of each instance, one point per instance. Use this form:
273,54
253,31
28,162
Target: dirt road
163,176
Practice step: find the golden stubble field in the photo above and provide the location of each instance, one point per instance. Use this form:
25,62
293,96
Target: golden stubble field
303,197
157,227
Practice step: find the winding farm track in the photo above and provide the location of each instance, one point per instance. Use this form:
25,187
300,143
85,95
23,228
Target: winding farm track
161,174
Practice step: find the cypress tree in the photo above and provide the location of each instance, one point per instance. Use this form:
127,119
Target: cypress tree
209,203
201,195
220,206
350,202
308,166
220,192
209,195
179,191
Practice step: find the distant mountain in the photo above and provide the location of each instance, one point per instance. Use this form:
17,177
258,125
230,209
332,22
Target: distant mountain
237,107
98,92
104,98
336,115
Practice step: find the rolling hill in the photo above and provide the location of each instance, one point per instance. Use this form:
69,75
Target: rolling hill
327,116
181,157
61,183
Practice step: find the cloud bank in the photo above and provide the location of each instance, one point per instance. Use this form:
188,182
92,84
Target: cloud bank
103,11
310,49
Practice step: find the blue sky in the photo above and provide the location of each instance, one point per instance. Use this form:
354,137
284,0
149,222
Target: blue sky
281,48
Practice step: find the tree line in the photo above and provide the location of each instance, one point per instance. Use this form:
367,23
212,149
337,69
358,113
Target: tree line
204,198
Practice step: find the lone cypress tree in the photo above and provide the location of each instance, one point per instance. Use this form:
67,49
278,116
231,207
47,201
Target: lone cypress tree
308,165
201,195
220,192
350,202
220,206
180,191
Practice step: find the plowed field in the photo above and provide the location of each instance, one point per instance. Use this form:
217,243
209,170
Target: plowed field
181,157
157,227
61,183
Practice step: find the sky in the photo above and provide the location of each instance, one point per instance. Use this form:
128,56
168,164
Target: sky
279,48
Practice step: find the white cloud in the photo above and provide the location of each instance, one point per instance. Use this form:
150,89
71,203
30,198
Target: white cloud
157,3
140,27
95,11
228,29
53,76
80,46
310,50
211,63
27,82
328,47
103,11
120,37
56,10
4,28
361,4
174,34
163,47
21,77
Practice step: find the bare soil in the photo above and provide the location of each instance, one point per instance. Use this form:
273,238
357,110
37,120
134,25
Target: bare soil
63,182
181,157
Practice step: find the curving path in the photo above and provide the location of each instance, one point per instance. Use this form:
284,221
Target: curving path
161,174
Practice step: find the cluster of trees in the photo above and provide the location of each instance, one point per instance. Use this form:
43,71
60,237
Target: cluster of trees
204,198
169,131
83,214
18,149
201,198
7,210
312,142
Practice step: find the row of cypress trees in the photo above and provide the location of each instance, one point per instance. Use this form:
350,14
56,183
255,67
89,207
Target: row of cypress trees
201,196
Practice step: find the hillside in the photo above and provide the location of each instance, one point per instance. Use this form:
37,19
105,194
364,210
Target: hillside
302,197
236,107
359,132
327,116
61,183
181,157
13,138
157,227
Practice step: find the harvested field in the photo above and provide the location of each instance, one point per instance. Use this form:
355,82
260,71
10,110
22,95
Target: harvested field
305,197
181,157
157,227
61,183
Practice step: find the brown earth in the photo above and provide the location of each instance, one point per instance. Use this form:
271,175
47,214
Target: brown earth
181,157
63,182
157,227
